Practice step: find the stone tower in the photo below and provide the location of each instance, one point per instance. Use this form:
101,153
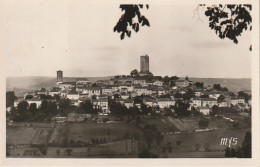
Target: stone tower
144,63
59,77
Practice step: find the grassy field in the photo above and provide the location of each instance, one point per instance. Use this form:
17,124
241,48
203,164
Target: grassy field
117,143
27,135
65,135
124,147
212,139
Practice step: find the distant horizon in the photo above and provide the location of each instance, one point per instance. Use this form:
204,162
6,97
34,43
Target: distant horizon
125,75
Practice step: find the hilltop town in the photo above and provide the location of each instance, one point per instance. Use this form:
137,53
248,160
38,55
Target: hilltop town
167,105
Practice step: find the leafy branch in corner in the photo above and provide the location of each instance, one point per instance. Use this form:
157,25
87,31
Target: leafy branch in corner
126,22
229,21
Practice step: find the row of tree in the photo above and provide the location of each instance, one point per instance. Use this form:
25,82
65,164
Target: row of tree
47,109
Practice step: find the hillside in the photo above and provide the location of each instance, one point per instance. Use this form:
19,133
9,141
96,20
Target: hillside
33,82
232,84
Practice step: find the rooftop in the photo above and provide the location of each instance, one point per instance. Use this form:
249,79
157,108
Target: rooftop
165,99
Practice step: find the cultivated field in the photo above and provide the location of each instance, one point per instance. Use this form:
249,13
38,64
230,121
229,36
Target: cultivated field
180,135
209,139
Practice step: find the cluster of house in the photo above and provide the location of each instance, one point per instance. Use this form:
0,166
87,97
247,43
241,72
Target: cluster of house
126,88
204,105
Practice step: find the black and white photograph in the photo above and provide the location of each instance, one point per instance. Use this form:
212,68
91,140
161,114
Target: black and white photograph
104,80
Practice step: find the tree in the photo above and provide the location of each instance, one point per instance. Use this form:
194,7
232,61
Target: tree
127,19
244,152
227,152
13,114
221,98
215,110
207,147
117,109
189,94
166,80
186,78
217,87
225,89
229,21
134,73
172,83
10,97
64,104
181,109
203,123
28,96
43,149
204,96
152,136
58,152
33,109
178,95
56,97
45,97
22,107
247,145
243,95
197,147
44,105
147,154
52,108
174,78
68,151
199,85
87,107
94,97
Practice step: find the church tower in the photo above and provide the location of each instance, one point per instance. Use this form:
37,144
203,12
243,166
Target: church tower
59,77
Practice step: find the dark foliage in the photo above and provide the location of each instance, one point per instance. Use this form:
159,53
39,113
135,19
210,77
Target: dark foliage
247,146
203,123
189,94
134,73
199,85
204,96
217,87
215,110
221,98
126,22
243,95
43,96
181,109
28,96
10,97
152,136
87,107
229,21
147,154
241,152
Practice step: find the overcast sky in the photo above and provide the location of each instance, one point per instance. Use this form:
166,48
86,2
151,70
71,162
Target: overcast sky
43,36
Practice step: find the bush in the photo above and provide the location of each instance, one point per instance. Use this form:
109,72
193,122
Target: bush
68,151
235,124
207,147
178,142
197,147
203,123
147,154
43,149
58,152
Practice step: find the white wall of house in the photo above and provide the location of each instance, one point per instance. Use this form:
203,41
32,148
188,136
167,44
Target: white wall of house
165,104
73,96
